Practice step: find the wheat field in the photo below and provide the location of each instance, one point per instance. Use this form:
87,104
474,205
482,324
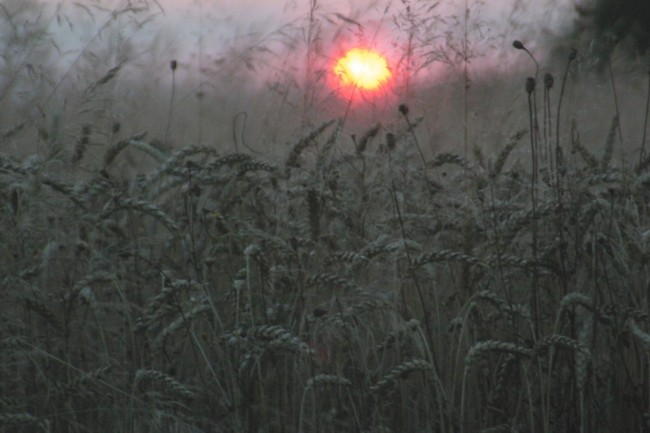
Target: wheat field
173,261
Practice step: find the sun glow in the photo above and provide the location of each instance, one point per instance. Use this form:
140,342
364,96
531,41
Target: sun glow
365,69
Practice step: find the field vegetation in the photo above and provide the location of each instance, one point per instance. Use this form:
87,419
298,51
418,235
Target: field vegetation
468,253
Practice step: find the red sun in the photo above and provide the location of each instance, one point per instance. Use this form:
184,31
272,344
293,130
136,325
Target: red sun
363,69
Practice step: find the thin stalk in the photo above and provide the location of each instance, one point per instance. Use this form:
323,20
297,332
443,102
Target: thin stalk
115,14
548,127
409,258
559,167
465,80
572,56
409,55
645,125
312,31
403,108
618,113
200,94
534,299
535,131
520,46
172,65
535,127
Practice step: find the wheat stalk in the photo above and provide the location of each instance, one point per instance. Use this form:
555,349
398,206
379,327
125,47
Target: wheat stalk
168,382
330,279
643,337
483,348
501,428
22,419
445,256
502,157
327,379
118,147
609,145
583,354
183,320
502,305
448,158
346,257
400,371
303,143
175,161
144,207
398,334
577,146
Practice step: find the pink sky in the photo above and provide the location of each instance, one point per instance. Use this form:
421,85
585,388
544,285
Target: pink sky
216,45
219,23
249,45
260,42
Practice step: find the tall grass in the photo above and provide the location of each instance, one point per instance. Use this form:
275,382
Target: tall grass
337,283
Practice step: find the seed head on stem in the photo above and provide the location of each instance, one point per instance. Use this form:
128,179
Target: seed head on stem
548,81
520,46
530,85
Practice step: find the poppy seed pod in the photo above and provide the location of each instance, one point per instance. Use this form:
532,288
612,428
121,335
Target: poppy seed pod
173,65
530,85
573,53
404,109
390,141
548,80
518,45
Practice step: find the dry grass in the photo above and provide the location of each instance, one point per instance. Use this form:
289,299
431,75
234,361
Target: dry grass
337,284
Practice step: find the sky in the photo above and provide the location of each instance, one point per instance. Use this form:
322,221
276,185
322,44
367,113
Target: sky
194,30
206,31
266,41
499,20
239,52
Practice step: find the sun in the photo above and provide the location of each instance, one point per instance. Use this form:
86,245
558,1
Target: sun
362,68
